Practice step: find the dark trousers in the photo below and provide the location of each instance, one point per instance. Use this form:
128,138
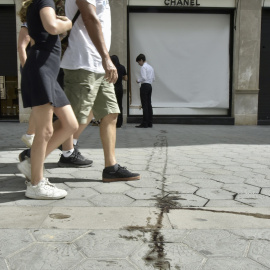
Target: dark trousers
119,97
145,94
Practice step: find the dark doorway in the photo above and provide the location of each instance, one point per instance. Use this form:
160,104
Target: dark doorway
8,64
264,93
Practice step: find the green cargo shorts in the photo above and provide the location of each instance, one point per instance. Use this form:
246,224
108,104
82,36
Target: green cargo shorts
88,91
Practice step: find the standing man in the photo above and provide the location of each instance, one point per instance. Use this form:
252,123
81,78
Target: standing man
146,80
89,77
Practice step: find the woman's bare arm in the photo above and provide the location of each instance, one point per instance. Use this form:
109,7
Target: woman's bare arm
23,42
53,24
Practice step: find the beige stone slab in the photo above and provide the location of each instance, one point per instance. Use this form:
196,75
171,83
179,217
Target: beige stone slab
13,217
104,218
220,218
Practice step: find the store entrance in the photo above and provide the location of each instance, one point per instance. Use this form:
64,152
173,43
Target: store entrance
264,93
9,108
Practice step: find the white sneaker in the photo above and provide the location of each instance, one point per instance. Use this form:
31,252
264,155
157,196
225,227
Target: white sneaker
28,139
44,191
25,168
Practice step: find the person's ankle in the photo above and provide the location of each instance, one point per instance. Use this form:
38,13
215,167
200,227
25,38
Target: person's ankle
112,168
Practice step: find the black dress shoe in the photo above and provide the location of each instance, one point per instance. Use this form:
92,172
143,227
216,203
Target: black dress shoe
141,126
150,125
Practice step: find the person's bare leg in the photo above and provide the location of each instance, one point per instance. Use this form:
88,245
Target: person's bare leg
82,127
42,116
64,127
31,125
108,138
68,144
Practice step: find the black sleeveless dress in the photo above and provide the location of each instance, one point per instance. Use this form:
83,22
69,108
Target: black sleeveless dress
39,84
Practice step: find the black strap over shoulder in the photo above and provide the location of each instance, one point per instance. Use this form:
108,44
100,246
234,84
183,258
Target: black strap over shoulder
76,17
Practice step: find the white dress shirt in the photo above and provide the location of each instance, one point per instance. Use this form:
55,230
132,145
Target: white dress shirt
147,74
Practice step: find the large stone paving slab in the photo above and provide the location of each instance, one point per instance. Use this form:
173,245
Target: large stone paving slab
255,200
81,193
179,188
111,200
220,218
44,235
71,203
232,263
112,188
13,240
108,244
259,251
53,256
241,188
265,191
228,179
224,203
3,265
205,183
187,200
259,182
105,264
215,194
261,234
167,256
103,218
216,243
144,193
23,217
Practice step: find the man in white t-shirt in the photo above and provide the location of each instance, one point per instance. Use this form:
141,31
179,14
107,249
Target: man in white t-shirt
88,82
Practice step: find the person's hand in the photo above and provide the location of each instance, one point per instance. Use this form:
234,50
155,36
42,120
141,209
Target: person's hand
110,70
137,81
65,19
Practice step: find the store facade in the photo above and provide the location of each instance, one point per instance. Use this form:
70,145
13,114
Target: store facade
206,55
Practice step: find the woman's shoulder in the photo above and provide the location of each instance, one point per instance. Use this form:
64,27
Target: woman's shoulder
44,3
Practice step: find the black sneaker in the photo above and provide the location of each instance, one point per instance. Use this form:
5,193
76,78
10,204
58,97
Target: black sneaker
122,174
75,160
25,154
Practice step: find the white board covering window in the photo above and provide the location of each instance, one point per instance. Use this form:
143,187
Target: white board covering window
190,55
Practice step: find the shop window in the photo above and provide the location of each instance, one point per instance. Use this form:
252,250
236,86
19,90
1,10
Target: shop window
9,97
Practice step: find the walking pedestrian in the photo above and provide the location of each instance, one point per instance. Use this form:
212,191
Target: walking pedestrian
23,49
89,77
41,91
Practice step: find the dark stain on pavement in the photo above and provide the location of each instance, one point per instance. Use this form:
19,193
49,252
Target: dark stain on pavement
156,256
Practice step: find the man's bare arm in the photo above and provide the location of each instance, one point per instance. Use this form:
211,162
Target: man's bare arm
93,26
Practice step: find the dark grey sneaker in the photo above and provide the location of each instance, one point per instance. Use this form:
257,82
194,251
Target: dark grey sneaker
121,174
76,160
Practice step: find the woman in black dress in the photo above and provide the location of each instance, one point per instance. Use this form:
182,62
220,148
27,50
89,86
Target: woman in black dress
41,91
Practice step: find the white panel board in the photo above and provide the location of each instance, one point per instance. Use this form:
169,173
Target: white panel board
194,3
190,55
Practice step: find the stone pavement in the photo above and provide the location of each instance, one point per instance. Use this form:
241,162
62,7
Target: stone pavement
203,203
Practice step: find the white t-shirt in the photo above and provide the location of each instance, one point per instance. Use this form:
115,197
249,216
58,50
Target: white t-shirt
81,53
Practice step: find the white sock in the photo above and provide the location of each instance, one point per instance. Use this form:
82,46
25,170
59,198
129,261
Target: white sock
68,153
75,141
29,136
